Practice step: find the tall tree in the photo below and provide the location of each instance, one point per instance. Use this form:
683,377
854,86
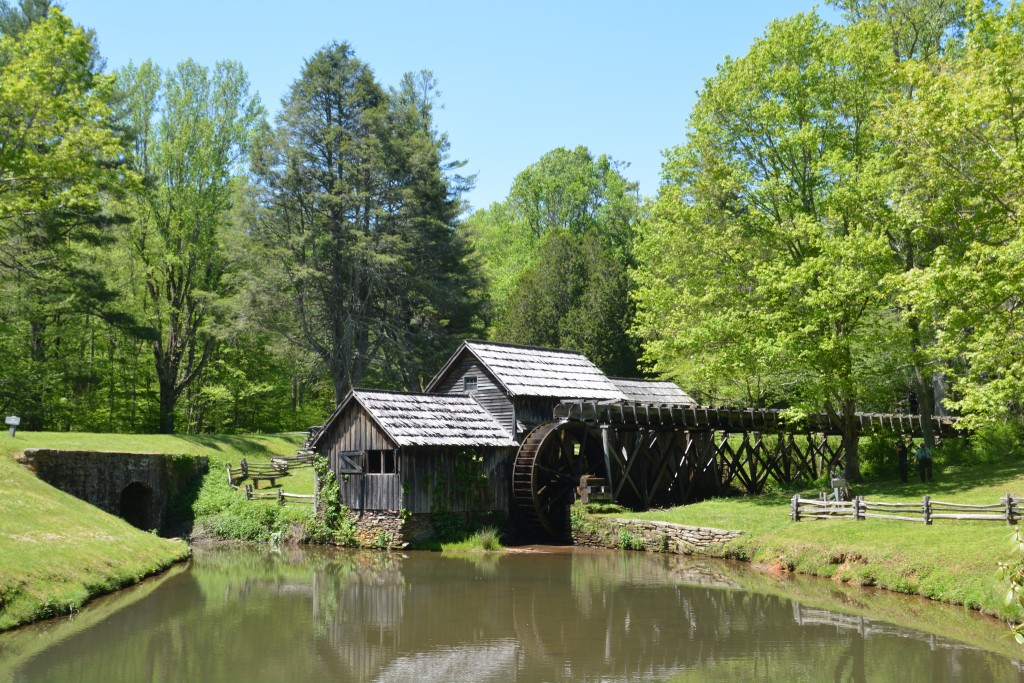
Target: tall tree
962,136
566,189
556,253
193,128
574,295
917,34
59,160
765,188
359,209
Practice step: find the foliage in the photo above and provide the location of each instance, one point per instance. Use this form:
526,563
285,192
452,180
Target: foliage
1014,574
59,158
961,136
629,541
556,253
758,275
485,539
191,129
356,230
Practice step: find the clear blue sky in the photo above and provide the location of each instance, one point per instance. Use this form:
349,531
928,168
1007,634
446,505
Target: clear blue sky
517,78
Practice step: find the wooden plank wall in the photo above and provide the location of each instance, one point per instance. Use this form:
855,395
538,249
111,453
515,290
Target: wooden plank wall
488,393
354,431
534,410
370,491
431,475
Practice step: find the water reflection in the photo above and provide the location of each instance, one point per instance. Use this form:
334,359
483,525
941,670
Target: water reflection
579,616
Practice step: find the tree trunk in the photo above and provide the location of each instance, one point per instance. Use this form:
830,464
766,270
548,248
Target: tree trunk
851,440
923,386
168,399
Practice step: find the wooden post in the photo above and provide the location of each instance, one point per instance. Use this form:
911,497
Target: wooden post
231,481
280,496
794,508
858,507
316,493
926,509
244,464
1010,519
248,491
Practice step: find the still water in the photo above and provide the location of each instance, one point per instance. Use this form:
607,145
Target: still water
571,615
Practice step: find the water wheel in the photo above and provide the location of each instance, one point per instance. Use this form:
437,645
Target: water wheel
547,472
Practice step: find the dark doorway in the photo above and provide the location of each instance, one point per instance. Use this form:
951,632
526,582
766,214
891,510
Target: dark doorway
137,505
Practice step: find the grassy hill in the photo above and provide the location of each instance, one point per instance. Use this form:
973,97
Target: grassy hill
57,551
951,561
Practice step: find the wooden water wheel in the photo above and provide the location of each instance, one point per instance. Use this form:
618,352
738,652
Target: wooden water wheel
547,472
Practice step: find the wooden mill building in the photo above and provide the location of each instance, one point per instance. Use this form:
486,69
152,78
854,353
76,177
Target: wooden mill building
402,457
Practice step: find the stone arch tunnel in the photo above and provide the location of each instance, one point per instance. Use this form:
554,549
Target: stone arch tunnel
137,487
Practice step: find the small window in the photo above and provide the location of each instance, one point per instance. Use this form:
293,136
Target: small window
469,383
380,462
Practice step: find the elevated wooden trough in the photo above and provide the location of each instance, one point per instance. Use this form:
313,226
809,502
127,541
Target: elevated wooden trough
729,419
661,455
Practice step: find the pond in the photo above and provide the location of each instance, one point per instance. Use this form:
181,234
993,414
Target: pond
565,615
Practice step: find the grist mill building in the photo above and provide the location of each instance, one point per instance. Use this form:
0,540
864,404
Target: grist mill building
401,458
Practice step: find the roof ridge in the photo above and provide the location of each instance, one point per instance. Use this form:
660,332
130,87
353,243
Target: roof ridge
526,347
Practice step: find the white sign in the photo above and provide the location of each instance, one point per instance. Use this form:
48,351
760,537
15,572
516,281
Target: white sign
13,420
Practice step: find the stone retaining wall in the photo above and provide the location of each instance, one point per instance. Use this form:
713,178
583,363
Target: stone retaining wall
135,486
661,537
389,528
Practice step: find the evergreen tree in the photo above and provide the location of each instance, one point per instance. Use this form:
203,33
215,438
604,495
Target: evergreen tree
357,227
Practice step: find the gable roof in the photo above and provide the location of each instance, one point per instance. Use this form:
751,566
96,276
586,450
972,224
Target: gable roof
535,371
653,391
426,419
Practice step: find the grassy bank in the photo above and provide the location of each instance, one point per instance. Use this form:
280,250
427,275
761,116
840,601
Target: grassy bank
951,561
57,551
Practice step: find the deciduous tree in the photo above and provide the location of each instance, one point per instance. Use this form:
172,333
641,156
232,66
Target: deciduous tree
192,129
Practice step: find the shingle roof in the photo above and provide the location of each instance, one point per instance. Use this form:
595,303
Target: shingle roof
653,391
533,371
433,419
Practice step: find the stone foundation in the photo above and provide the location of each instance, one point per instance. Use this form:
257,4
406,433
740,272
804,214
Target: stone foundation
388,528
661,537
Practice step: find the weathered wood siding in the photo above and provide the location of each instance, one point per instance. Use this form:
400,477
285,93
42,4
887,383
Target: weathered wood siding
431,476
534,410
488,393
354,431
370,491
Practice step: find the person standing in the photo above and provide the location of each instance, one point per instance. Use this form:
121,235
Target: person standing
901,458
924,462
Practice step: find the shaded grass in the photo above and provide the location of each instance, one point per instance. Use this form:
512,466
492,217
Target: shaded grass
951,561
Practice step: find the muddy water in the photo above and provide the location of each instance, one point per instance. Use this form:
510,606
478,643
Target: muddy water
306,615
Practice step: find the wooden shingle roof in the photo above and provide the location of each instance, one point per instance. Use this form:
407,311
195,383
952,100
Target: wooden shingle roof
432,419
653,391
534,371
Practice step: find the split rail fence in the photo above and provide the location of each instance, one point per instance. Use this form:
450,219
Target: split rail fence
280,496
1009,509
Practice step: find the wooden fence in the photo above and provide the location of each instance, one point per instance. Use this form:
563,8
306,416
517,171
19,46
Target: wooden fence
260,471
301,459
1009,509
280,496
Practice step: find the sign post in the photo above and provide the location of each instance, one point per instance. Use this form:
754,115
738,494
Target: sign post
13,421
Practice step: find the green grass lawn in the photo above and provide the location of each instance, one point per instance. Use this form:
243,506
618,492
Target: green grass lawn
952,561
57,551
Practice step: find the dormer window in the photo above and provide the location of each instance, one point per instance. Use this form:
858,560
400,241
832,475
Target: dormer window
469,383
